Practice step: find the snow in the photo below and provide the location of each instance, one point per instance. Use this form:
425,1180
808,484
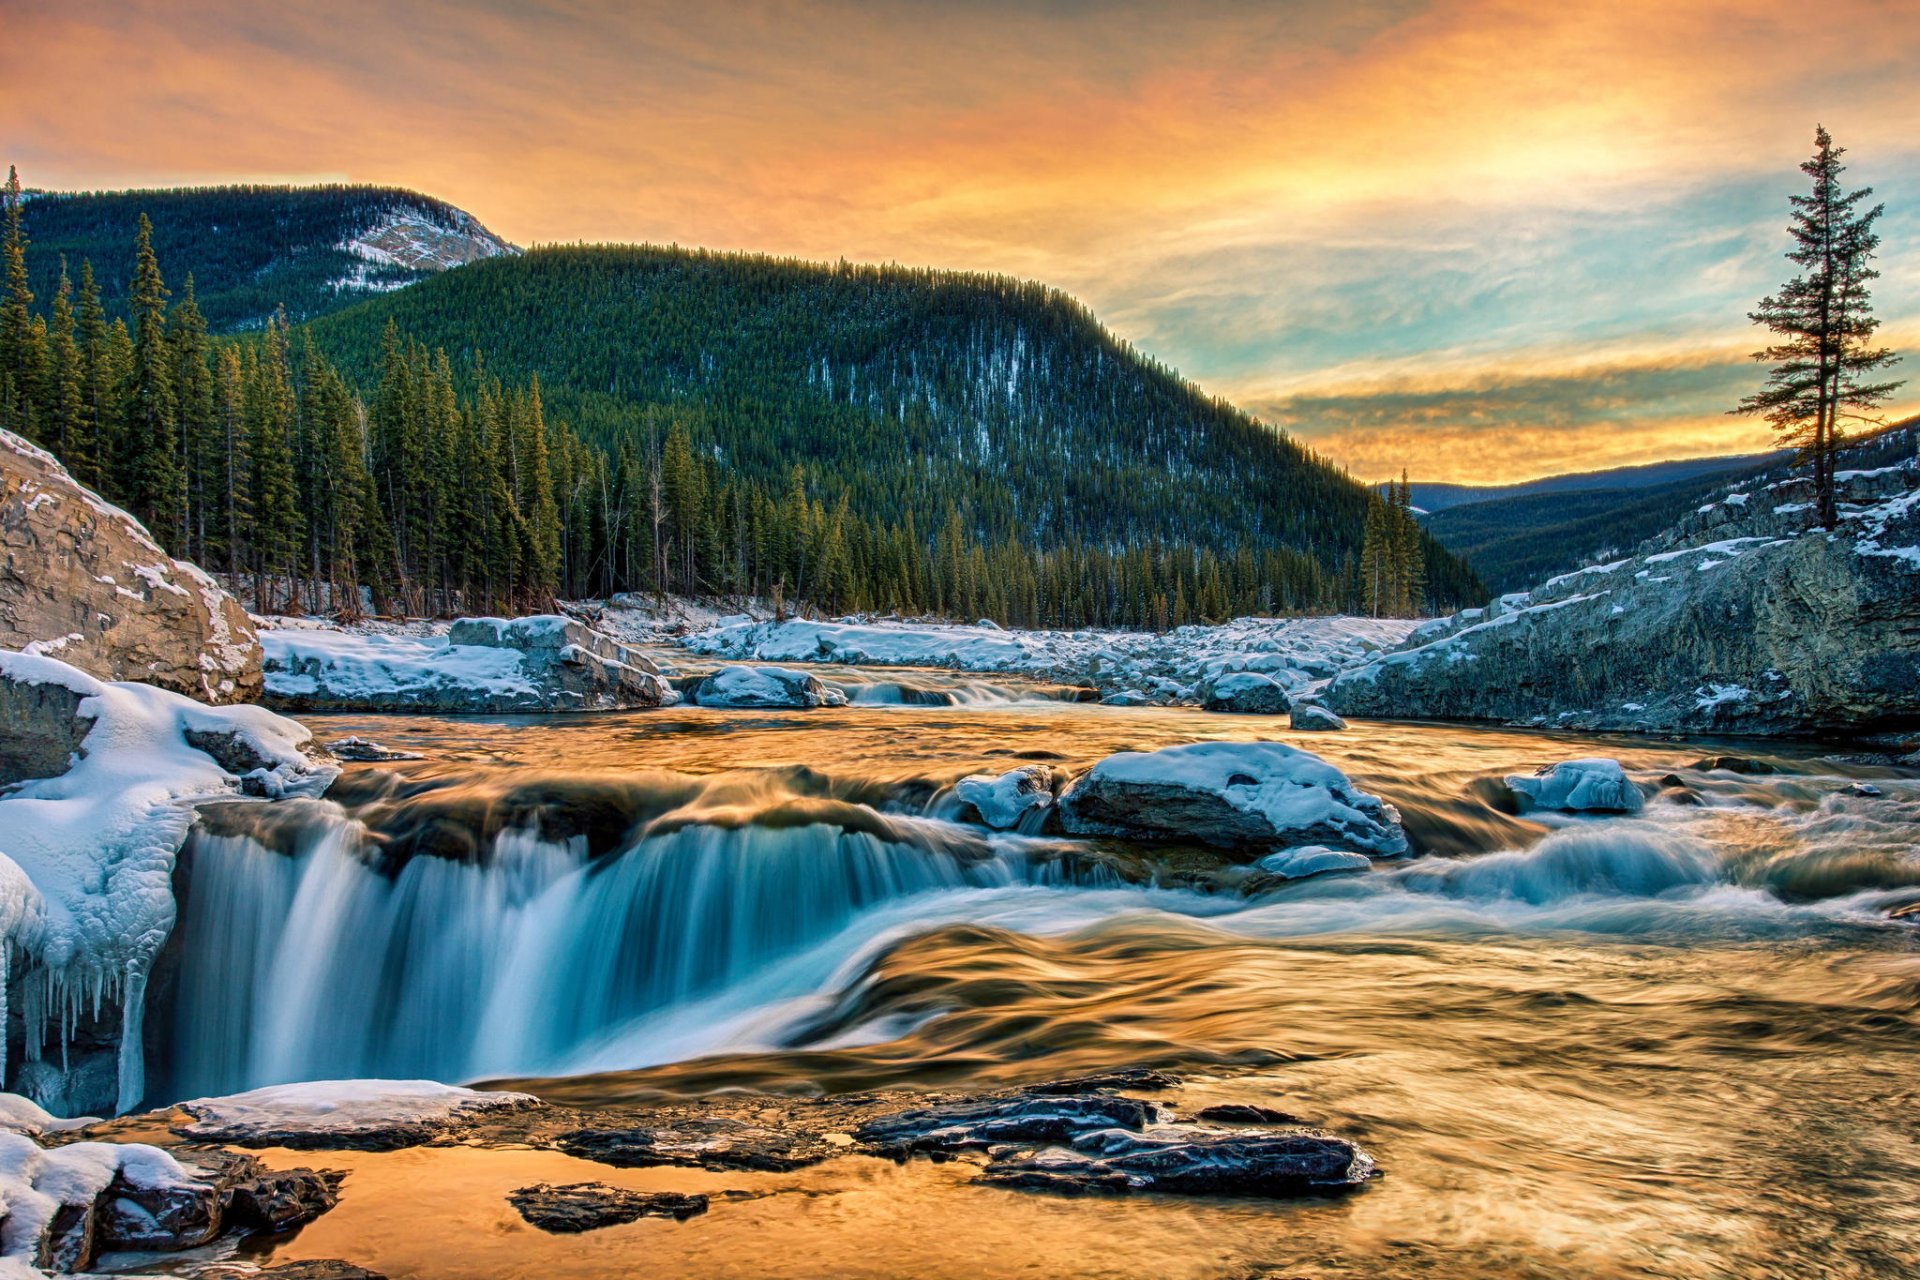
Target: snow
1728,547
339,1107
1595,784
359,665
37,1182
761,687
1296,652
1311,860
1293,790
1710,696
86,858
1001,802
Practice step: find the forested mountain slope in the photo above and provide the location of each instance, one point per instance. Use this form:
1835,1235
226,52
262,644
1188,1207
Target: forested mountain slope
910,392
252,249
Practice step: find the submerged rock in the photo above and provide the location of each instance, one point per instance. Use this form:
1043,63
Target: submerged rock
975,1125
1187,1161
483,666
1311,860
1230,794
1247,693
1001,802
1744,618
83,581
719,1143
364,750
588,1206
1314,719
766,688
1576,786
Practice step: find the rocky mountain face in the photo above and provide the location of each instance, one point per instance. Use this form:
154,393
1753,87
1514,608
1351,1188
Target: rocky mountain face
1742,618
83,581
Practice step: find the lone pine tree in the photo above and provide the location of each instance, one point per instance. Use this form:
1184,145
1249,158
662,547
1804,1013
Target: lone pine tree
1824,319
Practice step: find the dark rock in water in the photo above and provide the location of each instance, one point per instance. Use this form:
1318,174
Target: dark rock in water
1864,789
1187,1162
720,1144
1025,1118
310,1269
1733,764
1315,719
1247,693
1243,1113
1144,1079
363,750
588,1206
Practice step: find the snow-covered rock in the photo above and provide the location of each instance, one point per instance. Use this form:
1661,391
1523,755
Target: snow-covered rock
1247,693
481,666
1743,618
1294,652
1311,860
83,581
1001,802
1577,786
342,1113
87,849
1314,719
1230,794
765,688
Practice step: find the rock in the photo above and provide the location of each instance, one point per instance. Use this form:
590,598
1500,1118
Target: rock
1311,860
588,1206
1312,719
1243,1113
41,729
975,1125
1001,802
1247,693
343,1115
1126,698
1734,764
310,1269
1187,1161
1865,790
765,688
1757,624
1143,1079
718,1143
483,666
364,750
83,581
1230,794
240,1195
1577,786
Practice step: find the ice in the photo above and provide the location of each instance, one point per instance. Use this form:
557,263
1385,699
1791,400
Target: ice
339,1107
1311,860
86,858
1596,784
358,665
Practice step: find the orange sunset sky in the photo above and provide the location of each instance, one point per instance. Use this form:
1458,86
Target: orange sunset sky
1482,240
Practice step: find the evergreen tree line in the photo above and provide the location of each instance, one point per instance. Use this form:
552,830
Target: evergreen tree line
1392,565
447,490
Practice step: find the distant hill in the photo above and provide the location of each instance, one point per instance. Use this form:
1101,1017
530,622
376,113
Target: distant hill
911,392
1654,475
251,249
1523,534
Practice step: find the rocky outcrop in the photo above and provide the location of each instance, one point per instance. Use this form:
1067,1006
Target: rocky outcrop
588,1206
719,1144
483,666
1231,795
83,581
1741,619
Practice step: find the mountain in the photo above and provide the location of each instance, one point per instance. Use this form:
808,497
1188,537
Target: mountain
1430,497
251,249
909,392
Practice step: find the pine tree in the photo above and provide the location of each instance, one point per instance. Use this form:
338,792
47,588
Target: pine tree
99,383
62,406
273,494
194,395
1825,322
152,477
19,351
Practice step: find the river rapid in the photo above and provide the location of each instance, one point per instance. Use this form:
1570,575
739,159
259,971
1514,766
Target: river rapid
1677,1044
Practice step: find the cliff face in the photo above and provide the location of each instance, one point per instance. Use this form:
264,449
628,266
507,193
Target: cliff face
82,581
1741,619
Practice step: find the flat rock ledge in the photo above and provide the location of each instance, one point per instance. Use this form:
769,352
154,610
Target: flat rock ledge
588,1206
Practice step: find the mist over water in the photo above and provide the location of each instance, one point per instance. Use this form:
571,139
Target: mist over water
1674,1043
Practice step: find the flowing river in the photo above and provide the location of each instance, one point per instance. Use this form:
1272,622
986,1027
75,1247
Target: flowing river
1678,1044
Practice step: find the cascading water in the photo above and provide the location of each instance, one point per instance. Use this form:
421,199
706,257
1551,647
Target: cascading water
315,964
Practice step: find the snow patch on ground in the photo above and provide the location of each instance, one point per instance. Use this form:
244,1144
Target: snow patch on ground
338,1107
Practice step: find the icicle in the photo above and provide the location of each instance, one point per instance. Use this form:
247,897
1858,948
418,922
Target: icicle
133,1061
6,976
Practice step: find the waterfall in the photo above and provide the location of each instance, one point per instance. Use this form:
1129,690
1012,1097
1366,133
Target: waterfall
317,963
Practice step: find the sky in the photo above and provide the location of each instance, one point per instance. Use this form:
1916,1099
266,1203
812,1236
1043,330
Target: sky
1481,241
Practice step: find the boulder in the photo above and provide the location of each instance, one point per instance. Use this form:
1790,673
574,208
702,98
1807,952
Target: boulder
719,1143
1314,719
765,688
1311,860
483,666
588,1206
975,1125
1001,802
1183,1160
1742,619
343,1115
1231,795
83,581
1577,786
1247,693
